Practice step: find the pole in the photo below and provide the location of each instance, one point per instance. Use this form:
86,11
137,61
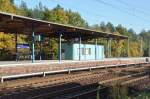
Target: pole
107,48
128,47
149,48
60,47
98,93
40,48
50,48
16,40
110,46
95,49
79,48
141,48
33,45
117,49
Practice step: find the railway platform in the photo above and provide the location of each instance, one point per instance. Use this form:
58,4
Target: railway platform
22,67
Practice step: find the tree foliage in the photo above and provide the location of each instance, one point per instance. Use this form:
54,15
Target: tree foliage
145,36
7,6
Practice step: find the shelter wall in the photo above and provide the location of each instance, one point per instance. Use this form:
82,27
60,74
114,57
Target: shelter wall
87,52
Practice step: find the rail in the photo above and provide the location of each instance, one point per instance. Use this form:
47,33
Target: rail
134,80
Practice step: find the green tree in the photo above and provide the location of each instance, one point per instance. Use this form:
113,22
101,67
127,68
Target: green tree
103,26
110,27
145,35
38,12
7,6
76,19
24,11
122,30
48,15
59,15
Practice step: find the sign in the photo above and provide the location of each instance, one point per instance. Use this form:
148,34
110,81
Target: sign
19,46
39,38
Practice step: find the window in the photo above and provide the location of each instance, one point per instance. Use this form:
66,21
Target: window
86,51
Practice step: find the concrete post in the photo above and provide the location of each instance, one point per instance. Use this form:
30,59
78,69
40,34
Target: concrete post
33,45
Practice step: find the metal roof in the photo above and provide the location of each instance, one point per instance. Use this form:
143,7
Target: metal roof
10,23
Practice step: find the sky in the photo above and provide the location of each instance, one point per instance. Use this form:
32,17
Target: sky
133,14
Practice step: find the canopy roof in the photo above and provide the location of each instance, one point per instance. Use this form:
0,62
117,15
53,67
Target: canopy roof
10,23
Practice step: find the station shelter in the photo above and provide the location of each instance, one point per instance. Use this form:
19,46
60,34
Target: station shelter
15,24
74,51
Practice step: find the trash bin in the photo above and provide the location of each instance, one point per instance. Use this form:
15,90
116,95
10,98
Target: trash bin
147,60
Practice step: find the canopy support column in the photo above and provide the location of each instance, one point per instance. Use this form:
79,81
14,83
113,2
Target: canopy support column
109,47
95,49
110,40
128,47
79,48
59,53
40,49
141,48
117,48
49,47
33,45
16,41
149,48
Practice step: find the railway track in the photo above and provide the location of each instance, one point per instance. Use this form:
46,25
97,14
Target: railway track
59,80
52,79
48,84
141,83
72,93
36,90
63,94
